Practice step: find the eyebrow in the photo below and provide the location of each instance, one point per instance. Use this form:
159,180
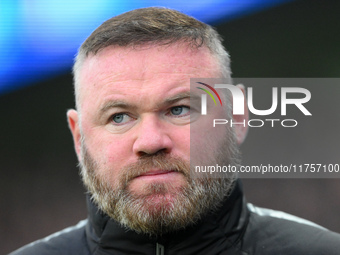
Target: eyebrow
124,105
115,104
178,97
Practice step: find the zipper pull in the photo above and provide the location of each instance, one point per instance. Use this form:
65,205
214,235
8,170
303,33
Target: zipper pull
159,249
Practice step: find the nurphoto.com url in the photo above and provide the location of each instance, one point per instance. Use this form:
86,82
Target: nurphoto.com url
317,169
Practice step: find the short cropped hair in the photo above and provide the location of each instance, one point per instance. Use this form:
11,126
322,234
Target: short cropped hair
157,25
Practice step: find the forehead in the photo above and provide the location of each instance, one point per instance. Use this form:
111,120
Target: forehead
141,68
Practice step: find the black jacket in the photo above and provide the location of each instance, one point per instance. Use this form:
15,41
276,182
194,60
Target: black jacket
237,228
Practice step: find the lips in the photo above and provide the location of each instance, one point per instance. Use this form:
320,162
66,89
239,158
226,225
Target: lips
157,181
156,172
158,175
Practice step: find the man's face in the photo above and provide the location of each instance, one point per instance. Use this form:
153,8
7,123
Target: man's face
133,135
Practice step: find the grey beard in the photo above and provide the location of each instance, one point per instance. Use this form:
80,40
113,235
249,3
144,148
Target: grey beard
144,213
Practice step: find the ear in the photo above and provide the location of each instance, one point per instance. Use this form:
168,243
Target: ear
73,123
241,130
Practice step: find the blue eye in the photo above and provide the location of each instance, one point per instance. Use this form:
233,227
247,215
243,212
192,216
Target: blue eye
120,118
179,110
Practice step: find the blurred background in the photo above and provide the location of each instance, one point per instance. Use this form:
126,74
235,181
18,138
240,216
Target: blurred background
40,191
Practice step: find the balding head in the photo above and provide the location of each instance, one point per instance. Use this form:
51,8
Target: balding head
151,26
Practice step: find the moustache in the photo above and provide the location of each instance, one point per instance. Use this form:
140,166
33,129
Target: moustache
159,161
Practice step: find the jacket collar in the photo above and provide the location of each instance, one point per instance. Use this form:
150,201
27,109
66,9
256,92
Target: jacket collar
217,232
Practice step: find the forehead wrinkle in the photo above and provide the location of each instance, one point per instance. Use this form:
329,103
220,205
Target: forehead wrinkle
144,66
104,75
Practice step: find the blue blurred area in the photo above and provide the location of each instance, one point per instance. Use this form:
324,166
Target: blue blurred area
39,38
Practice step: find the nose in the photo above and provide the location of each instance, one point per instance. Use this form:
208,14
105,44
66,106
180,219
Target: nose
152,137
